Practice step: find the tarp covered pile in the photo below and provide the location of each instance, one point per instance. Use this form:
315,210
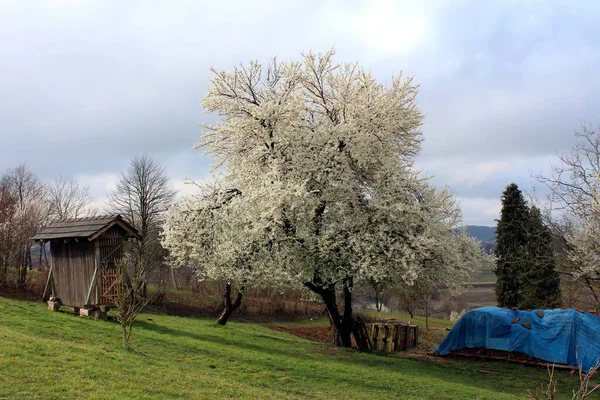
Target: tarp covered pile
558,336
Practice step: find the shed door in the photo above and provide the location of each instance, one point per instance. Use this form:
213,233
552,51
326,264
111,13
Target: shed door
111,251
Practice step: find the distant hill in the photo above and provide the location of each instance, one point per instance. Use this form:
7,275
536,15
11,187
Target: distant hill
482,233
485,234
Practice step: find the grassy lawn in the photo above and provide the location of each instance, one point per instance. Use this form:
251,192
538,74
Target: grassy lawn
50,355
485,275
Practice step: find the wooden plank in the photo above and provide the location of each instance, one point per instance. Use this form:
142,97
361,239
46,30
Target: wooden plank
120,224
96,261
47,289
91,288
392,336
53,305
416,335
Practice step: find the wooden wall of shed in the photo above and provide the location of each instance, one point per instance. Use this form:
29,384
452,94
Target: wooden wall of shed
110,253
73,270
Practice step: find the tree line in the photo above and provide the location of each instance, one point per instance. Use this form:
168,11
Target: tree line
27,204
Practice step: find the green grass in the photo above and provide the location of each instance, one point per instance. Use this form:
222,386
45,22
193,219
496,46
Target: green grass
46,355
485,275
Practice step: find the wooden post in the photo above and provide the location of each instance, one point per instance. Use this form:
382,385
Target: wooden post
396,337
416,335
92,285
47,288
386,334
98,266
53,305
86,312
392,336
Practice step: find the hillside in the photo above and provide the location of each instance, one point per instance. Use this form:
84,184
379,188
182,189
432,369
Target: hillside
50,355
482,233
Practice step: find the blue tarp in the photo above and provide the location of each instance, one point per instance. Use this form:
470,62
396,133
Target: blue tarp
565,337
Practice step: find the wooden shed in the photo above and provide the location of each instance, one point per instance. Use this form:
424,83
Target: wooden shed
85,255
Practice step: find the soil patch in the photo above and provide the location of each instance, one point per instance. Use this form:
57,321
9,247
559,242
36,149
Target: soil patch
500,355
320,334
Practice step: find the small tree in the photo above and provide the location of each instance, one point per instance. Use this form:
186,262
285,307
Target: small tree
130,304
141,194
511,239
209,232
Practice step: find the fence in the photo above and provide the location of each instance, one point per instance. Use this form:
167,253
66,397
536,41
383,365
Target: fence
386,336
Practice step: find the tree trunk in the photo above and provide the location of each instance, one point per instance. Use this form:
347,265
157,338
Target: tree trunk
589,285
427,314
347,321
343,323
409,308
173,277
125,336
23,265
230,307
377,301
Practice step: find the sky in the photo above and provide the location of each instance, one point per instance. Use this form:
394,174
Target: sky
87,85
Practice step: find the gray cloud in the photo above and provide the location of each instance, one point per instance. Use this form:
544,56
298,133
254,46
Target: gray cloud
87,85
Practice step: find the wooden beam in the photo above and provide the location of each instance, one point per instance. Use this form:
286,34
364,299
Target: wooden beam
98,265
50,287
47,289
122,224
92,285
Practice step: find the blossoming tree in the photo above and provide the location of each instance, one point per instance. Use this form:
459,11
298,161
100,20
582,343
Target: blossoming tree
320,156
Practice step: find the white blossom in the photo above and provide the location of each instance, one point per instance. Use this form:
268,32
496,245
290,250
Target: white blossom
320,157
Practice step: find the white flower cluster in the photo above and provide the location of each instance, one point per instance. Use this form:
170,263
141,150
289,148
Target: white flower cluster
584,251
317,183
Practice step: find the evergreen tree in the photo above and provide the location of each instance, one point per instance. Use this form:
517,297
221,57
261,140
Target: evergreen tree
511,239
540,283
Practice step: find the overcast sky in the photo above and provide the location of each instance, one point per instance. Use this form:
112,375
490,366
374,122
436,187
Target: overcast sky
86,85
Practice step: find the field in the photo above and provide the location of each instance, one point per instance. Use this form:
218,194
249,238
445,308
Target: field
478,295
48,355
485,275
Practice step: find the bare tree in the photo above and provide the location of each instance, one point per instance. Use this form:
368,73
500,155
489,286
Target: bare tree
574,211
67,199
24,197
8,209
574,183
549,391
142,192
25,185
130,304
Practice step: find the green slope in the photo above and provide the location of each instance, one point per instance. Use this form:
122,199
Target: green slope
48,355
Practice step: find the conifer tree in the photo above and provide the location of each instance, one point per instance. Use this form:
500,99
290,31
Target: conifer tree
540,283
511,239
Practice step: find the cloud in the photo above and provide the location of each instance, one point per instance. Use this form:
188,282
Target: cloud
480,210
88,85
385,26
99,185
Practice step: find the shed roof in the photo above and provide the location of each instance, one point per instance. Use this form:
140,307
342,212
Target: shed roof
88,227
